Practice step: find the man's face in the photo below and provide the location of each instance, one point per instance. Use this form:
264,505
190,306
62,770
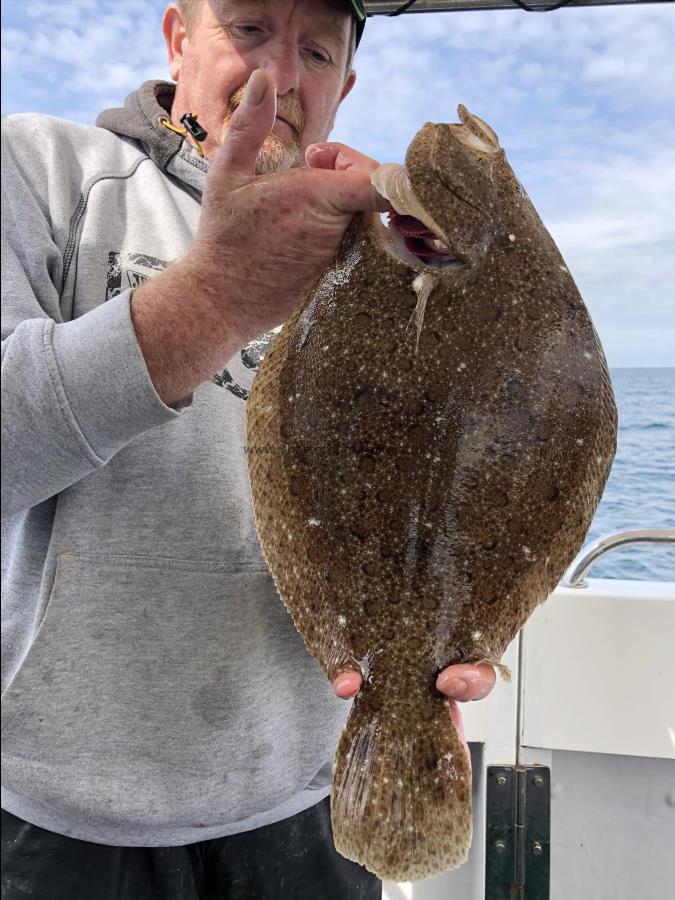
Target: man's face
302,44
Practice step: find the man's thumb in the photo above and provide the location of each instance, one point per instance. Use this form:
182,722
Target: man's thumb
251,122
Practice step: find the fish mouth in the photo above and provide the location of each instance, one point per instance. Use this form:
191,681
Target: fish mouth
409,233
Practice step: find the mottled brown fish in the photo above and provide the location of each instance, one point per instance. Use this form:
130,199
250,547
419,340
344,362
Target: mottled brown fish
428,439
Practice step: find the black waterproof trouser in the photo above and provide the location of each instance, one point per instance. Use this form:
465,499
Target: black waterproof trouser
294,859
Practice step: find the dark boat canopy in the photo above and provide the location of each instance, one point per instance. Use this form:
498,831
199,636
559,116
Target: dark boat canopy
396,7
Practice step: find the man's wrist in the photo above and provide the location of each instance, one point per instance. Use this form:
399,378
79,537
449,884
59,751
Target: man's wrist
184,327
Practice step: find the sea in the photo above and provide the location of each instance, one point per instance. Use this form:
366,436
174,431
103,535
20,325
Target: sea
640,491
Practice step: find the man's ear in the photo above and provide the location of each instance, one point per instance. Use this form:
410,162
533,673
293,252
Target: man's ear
348,85
175,36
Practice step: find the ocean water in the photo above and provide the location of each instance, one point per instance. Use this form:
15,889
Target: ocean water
640,491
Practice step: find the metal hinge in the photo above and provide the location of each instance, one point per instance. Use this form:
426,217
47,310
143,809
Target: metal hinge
518,833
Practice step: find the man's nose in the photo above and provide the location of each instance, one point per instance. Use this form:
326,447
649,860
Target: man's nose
282,62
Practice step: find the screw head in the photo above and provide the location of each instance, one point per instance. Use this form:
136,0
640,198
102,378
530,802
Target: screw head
500,846
538,781
501,780
537,848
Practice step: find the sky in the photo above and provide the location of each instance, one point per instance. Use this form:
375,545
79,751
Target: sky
582,101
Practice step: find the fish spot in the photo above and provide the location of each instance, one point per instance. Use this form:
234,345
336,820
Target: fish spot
314,554
499,497
367,464
416,436
416,408
430,603
359,532
553,494
295,486
370,607
405,464
362,321
369,568
434,392
429,341
363,400
489,312
386,495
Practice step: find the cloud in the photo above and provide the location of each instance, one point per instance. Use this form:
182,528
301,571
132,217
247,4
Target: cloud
80,53
580,98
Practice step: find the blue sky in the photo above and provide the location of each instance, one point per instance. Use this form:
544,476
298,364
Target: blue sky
581,100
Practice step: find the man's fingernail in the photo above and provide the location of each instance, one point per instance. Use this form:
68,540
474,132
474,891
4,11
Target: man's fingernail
342,681
453,686
256,88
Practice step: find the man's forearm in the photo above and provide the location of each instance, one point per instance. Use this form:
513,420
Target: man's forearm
183,329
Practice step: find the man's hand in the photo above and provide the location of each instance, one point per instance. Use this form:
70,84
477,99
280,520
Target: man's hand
266,239
262,242
461,683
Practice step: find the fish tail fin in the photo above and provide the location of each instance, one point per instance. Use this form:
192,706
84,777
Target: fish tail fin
401,800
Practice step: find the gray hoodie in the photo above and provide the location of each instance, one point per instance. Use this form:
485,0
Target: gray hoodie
155,691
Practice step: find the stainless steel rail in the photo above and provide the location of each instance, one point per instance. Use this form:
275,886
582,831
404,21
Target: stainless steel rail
587,558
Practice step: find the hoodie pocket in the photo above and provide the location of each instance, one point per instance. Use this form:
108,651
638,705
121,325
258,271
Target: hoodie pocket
129,704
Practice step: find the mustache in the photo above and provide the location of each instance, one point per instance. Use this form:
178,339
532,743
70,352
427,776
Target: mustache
288,108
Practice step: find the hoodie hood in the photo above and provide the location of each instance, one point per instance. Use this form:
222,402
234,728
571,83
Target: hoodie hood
139,119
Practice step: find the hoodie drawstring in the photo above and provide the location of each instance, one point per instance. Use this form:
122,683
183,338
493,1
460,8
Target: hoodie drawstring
192,127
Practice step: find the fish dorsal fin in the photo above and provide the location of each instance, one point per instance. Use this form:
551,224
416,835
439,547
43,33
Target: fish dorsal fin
487,141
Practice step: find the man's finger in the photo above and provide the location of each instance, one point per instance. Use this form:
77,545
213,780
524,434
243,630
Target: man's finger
349,192
340,157
252,121
347,684
466,682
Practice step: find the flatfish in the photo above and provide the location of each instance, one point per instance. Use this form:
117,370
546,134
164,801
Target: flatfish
428,439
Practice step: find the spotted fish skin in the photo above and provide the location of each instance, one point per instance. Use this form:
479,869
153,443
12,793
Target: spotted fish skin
417,499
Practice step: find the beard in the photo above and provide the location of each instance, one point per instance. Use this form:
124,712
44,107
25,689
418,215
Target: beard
275,155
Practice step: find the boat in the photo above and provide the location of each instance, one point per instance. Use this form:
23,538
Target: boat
574,759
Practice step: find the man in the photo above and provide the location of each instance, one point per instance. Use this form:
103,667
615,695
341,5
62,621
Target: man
166,734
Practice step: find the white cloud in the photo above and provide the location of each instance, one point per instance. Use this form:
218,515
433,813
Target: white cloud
580,98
